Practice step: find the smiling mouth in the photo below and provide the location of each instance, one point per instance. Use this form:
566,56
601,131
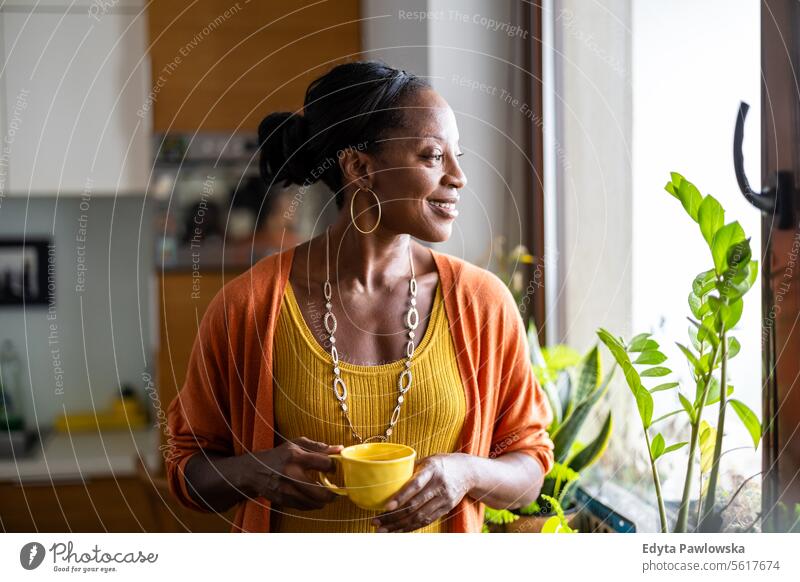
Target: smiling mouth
444,208
447,205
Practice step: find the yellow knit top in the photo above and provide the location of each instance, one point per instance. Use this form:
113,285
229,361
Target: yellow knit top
430,421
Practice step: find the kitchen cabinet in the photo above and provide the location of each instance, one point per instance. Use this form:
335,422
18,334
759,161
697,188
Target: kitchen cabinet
96,505
114,505
222,65
73,85
88,481
183,296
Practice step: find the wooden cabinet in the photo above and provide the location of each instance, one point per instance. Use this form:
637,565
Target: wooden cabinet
183,297
222,66
131,504
72,88
97,505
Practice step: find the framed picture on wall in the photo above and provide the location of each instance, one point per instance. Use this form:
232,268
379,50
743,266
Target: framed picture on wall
24,272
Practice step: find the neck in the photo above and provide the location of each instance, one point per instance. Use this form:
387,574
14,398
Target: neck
365,263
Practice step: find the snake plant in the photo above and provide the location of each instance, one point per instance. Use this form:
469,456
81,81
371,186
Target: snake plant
574,385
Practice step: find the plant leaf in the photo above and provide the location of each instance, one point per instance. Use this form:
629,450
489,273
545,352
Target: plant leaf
707,441
725,238
667,415
693,337
644,402
693,361
499,516
621,356
589,372
687,406
672,185
569,429
552,525
733,347
695,305
665,386
641,342
690,197
748,418
559,357
553,401
713,392
730,314
736,281
655,372
704,282
711,217
657,446
707,332
595,449
738,258
675,447
650,357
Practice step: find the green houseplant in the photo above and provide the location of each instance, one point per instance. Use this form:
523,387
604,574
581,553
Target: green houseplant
715,302
574,386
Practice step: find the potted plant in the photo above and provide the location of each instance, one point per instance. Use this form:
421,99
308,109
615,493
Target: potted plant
715,302
574,385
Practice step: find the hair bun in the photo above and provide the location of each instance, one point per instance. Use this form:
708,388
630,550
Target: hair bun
283,140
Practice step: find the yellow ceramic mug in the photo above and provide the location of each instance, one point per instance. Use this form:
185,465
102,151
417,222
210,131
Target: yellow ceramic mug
373,472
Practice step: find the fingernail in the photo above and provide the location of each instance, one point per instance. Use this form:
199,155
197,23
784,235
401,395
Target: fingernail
382,530
376,522
391,505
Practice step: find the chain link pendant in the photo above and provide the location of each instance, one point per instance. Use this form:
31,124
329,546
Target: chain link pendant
405,379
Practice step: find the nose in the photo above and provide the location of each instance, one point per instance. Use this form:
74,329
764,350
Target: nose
456,176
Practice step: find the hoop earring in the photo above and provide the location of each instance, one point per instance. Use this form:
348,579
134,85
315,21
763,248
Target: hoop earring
352,215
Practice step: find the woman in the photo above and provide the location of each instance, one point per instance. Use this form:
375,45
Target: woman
360,334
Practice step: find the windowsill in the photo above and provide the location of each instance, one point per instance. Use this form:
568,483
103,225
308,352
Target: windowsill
628,504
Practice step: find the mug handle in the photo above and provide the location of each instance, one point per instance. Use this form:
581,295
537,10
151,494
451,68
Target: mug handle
326,483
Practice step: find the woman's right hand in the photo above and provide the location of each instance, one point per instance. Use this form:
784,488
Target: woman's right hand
285,474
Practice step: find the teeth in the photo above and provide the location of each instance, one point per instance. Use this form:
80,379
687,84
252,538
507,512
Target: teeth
448,205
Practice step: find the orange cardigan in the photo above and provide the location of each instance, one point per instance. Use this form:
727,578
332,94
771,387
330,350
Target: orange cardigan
225,404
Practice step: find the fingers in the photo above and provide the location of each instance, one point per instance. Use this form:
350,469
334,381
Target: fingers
313,455
311,490
412,488
292,496
415,505
313,461
316,446
420,517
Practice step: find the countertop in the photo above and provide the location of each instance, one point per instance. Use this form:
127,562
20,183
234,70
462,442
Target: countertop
80,456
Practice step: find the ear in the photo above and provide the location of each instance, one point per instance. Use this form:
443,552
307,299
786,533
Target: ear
357,167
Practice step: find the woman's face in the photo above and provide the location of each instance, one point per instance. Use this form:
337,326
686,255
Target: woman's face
416,175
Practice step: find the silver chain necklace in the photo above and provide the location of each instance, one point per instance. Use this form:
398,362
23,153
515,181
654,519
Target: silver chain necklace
403,382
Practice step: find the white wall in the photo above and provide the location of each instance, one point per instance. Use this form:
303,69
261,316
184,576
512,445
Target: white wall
399,41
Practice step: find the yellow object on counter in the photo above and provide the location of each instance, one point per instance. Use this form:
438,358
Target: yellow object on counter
125,413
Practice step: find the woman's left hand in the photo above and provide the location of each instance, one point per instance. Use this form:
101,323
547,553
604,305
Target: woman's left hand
439,484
